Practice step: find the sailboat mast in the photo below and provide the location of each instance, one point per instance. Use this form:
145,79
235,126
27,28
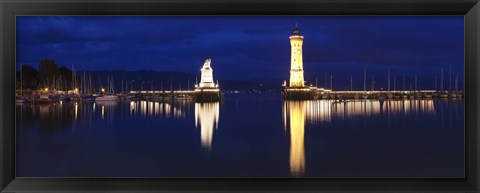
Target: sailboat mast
325,80
441,81
456,83
450,83
90,83
73,78
364,78
373,82
388,80
331,82
416,82
351,83
394,82
113,85
21,80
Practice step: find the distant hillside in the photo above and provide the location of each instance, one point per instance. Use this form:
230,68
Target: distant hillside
166,80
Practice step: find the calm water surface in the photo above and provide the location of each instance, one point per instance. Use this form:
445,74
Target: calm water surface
246,135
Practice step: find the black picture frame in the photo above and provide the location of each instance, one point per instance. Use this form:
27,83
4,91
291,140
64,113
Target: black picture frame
11,8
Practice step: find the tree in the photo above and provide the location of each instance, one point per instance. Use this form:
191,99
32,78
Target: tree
48,71
66,76
29,76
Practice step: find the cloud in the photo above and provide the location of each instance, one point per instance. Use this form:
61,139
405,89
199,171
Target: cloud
241,47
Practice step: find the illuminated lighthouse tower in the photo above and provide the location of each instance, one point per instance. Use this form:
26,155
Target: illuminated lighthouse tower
296,67
296,89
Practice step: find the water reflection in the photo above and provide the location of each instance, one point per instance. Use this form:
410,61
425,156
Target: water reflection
208,115
296,111
151,108
72,114
318,111
315,132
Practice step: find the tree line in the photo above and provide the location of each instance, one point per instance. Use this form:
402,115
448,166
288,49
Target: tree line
49,74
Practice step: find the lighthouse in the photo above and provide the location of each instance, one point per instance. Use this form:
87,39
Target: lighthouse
296,63
296,88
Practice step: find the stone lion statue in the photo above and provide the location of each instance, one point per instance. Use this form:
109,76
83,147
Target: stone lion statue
207,63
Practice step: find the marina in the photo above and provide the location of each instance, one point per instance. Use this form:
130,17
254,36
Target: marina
240,96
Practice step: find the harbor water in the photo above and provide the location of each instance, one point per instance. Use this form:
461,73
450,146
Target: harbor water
244,135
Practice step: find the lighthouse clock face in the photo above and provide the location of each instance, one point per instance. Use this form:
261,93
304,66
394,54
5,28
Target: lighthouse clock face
298,52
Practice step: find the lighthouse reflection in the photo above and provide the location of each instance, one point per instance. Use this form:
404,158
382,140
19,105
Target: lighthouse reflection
207,114
297,114
318,111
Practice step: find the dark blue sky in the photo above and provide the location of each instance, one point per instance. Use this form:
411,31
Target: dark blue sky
251,47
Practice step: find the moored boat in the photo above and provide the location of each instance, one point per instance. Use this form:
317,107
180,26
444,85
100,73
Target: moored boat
107,98
89,98
390,95
45,99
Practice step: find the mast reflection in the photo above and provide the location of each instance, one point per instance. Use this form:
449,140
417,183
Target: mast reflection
176,110
296,114
323,111
208,115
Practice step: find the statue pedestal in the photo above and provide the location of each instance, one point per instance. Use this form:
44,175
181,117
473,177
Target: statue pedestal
207,95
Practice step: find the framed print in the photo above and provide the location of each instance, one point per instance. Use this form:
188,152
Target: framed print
239,96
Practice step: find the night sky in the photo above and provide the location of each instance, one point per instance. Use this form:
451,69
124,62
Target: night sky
252,47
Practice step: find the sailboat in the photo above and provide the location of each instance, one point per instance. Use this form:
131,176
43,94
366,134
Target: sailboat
365,95
88,89
453,94
110,95
389,94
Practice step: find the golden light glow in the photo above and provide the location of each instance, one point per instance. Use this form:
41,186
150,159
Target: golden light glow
103,90
297,134
316,111
296,64
46,89
208,115
76,111
103,112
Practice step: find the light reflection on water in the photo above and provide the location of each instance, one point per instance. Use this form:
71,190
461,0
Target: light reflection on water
296,111
320,111
152,109
299,118
208,115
